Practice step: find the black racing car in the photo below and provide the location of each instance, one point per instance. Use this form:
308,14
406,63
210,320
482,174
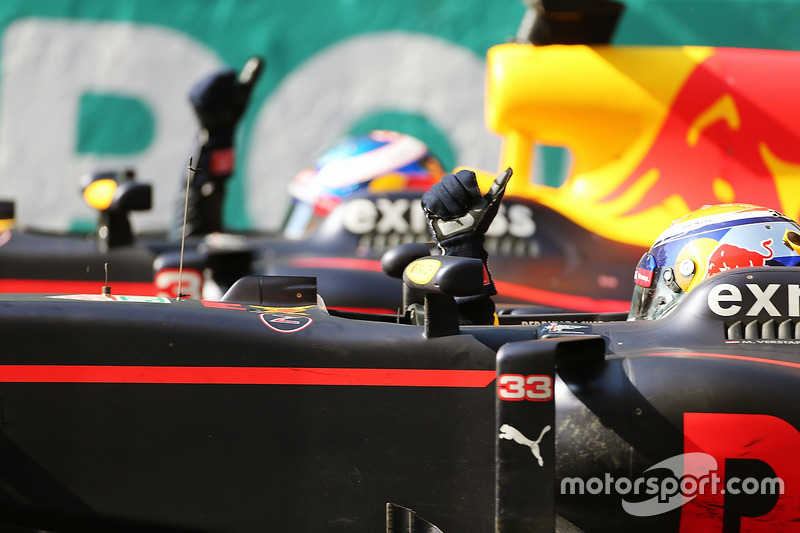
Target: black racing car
265,411
539,256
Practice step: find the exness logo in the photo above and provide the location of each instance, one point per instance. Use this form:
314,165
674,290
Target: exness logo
775,299
670,484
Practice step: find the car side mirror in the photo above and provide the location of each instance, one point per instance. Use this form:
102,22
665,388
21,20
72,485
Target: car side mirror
441,279
114,195
394,262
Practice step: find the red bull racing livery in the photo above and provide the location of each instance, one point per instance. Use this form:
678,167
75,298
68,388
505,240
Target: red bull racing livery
267,411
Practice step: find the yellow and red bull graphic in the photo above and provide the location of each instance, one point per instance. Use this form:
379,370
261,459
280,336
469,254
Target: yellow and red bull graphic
654,132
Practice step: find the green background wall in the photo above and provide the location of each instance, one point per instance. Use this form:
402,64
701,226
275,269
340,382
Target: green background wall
93,84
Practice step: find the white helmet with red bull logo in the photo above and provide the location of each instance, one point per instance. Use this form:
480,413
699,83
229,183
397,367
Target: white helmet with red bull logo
705,242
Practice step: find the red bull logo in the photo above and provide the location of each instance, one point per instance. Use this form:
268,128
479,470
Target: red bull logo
730,136
658,133
729,256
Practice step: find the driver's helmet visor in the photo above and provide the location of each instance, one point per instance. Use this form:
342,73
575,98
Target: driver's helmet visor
303,216
653,296
311,201
298,219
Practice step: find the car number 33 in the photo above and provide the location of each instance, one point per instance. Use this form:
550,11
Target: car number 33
533,387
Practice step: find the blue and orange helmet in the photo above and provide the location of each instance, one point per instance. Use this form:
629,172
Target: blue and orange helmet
705,242
380,161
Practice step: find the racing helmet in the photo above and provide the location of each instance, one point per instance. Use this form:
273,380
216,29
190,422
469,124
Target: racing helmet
705,242
379,161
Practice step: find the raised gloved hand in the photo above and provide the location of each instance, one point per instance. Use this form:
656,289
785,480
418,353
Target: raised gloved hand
458,216
220,99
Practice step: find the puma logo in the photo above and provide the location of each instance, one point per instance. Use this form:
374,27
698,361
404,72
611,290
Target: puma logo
512,433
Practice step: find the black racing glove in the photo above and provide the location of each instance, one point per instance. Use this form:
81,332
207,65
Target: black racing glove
219,101
458,216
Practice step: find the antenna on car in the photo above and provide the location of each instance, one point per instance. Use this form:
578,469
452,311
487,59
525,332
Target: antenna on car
106,287
189,176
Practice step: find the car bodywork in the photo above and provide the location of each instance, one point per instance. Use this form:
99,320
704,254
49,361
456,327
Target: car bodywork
539,257
266,411
654,132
